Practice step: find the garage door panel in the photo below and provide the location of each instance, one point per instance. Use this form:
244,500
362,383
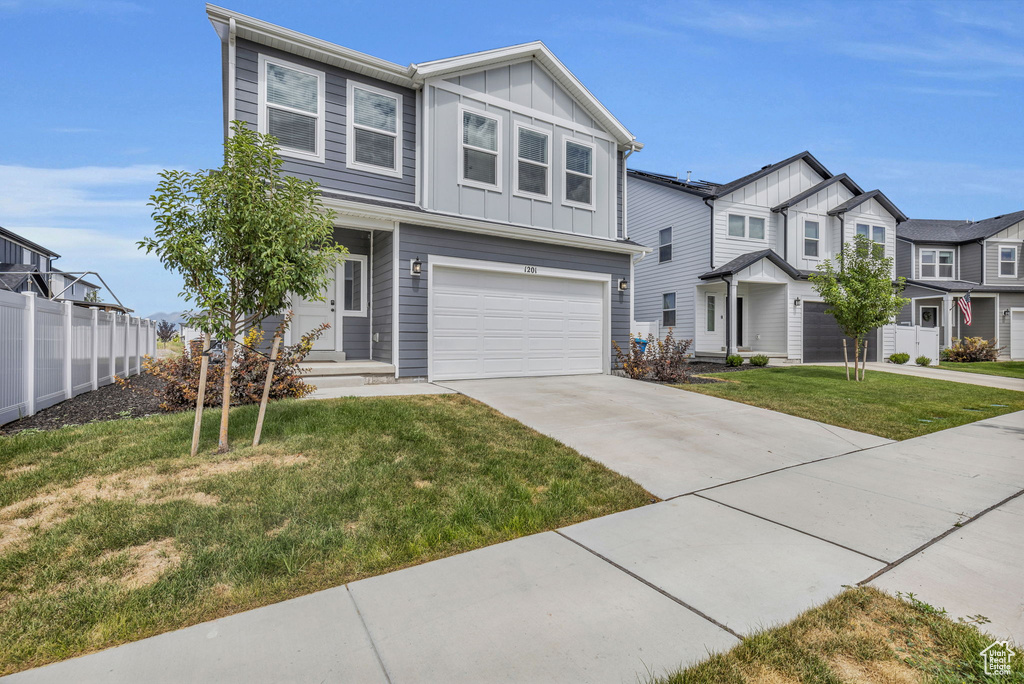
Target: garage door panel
823,338
487,324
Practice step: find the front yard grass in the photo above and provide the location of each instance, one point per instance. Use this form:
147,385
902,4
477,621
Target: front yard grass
884,404
1007,369
110,532
862,635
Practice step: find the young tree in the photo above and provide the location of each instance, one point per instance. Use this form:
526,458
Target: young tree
165,331
92,296
244,238
860,291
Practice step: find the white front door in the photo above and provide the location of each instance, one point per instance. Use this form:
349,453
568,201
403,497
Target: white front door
310,314
486,324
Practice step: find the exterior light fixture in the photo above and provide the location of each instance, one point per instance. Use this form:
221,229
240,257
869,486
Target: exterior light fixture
1006,312
416,267
623,284
796,302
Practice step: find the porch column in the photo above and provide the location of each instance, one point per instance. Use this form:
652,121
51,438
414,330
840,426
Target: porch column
730,338
947,319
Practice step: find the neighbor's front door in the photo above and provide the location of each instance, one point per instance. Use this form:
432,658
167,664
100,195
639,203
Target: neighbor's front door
311,314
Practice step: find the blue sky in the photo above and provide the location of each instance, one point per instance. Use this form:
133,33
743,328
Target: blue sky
923,100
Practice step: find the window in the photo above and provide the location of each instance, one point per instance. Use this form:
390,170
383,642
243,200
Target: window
665,245
668,309
864,229
811,238
744,226
936,263
353,299
873,233
710,325
532,153
579,174
480,150
1008,262
373,130
291,108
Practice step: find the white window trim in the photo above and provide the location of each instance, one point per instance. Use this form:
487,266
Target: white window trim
674,309
746,227
351,126
937,276
593,173
670,245
546,197
1000,262
460,157
262,119
364,295
711,299
805,239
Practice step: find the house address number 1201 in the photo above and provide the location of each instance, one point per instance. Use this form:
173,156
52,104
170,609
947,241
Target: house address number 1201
530,269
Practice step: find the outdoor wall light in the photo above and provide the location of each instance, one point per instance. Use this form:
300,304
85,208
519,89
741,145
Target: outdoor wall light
1006,312
796,302
416,267
623,284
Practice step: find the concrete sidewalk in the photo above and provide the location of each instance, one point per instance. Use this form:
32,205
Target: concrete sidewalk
935,373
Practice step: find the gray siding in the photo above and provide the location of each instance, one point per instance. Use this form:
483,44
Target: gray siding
355,330
970,262
983,319
423,241
1007,300
333,174
904,259
992,264
381,291
652,207
10,252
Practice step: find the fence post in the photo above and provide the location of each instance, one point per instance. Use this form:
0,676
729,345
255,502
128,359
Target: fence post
94,372
127,330
69,349
113,344
138,347
30,354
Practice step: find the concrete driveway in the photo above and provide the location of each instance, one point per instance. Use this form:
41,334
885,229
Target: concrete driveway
671,441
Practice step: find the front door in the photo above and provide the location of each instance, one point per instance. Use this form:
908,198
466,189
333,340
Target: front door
311,314
929,316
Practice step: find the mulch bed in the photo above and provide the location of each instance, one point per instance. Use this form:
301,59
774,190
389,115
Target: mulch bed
106,403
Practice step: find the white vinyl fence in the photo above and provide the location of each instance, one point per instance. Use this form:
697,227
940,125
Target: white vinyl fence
51,351
917,341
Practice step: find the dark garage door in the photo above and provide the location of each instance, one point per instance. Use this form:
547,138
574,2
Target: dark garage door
823,340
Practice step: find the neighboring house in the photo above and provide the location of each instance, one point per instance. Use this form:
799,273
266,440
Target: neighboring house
70,287
944,260
28,267
731,260
480,198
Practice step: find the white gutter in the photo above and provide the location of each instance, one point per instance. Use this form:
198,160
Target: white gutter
231,73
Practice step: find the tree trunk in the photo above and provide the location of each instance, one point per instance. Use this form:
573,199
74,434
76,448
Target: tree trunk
856,358
225,407
266,390
846,360
864,363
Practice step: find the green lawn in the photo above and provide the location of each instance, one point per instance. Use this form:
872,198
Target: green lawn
862,635
110,532
884,404
1007,369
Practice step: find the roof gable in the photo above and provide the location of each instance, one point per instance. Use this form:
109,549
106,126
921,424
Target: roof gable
813,190
806,156
876,195
744,260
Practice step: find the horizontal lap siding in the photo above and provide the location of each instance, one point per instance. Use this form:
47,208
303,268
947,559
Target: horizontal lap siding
422,241
333,174
1007,300
381,290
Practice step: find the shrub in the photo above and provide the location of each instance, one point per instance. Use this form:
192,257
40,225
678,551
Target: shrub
734,360
923,361
662,360
944,354
759,360
248,374
900,358
970,349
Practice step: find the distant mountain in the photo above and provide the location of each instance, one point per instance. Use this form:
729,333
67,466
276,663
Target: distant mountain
175,317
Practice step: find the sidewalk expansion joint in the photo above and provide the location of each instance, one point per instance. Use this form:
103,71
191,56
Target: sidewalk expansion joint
366,628
795,529
939,538
656,588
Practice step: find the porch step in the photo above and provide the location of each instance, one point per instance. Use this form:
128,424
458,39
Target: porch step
338,374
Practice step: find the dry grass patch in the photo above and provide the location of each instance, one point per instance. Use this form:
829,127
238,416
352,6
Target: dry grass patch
146,562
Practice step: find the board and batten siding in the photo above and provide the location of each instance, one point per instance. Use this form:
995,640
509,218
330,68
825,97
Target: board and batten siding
382,294
651,208
333,173
521,93
424,241
1014,235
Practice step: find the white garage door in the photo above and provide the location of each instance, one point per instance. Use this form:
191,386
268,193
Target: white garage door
1017,334
498,325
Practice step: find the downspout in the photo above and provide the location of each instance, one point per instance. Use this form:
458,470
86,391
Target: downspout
785,234
728,314
842,238
711,224
231,74
625,183
984,275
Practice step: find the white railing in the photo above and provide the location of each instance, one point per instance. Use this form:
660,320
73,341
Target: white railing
917,341
51,351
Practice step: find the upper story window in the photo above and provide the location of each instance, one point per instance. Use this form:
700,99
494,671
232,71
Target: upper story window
373,130
812,238
291,108
665,245
937,263
668,309
873,233
532,161
579,174
1007,262
481,150
746,226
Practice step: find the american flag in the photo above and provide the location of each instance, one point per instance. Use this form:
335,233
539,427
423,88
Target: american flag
965,307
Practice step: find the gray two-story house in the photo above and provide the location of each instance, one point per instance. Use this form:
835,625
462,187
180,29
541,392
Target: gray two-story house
731,260
481,199
943,261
